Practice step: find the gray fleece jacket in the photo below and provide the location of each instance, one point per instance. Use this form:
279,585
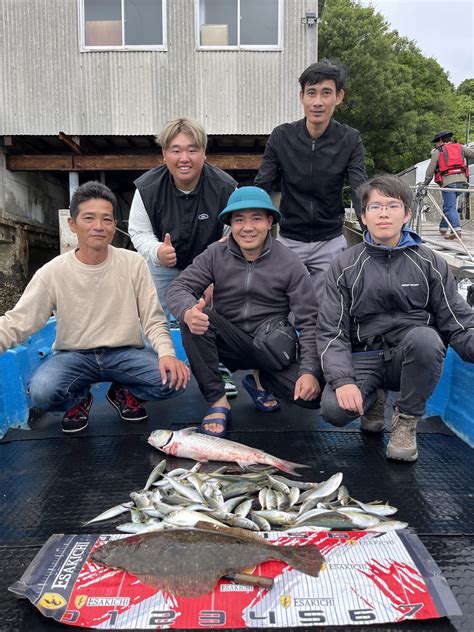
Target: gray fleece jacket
248,293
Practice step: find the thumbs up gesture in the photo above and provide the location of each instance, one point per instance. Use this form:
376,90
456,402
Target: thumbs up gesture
166,253
196,319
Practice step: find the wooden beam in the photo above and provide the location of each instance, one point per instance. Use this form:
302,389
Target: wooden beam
120,162
69,142
49,162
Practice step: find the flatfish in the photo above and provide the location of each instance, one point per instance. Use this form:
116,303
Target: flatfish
189,562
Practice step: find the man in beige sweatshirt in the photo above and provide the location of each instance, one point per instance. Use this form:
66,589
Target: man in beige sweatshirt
102,297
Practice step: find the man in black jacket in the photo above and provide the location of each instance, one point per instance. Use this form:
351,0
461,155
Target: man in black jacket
310,159
390,308
255,278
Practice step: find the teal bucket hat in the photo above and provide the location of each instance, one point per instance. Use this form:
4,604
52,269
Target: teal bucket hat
247,198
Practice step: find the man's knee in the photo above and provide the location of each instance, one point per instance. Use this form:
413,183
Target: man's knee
426,344
43,391
332,412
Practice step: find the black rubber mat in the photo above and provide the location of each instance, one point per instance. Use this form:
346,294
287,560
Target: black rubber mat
188,408
51,483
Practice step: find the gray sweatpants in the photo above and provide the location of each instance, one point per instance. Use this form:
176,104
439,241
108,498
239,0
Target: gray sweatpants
317,257
414,369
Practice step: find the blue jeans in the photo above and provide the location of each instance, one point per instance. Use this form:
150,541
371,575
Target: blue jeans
162,277
65,378
449,206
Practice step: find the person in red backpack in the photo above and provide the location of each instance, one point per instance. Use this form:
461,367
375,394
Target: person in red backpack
448,165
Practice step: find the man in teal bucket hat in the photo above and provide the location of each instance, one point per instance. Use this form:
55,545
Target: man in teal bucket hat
256,280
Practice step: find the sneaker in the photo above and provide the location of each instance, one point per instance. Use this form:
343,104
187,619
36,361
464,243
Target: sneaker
77,417
402,444
230,388
374,419
128,407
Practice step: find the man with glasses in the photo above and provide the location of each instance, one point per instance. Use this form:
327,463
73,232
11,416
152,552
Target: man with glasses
391,307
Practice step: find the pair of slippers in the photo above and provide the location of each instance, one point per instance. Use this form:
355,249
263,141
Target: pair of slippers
259,398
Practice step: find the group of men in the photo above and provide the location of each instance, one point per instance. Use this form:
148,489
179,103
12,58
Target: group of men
373,317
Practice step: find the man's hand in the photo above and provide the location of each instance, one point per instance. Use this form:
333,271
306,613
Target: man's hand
166,253
349,397
307,387
196,320
179,372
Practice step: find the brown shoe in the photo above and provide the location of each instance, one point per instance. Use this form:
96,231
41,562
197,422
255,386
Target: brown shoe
454,235
402,444
443,231
374,419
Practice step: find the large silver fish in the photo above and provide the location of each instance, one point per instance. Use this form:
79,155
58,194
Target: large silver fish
190,444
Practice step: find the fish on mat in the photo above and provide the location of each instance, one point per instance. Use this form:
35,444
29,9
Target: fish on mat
190,562
190,444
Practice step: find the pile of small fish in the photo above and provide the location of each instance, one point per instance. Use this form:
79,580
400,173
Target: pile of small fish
255,501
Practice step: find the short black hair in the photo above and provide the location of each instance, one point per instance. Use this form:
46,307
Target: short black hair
322,71
391,186
91,190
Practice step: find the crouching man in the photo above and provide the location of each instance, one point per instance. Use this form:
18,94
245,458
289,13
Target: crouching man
255,279
101,296
391,307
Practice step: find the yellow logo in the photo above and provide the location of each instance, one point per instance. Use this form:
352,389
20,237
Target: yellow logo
51,601
285,601
80,601
324,566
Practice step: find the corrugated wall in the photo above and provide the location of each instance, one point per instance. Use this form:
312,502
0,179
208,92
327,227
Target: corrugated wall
48,85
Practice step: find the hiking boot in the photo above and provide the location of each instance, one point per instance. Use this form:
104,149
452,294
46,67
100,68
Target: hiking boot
402,444
374,419
77,417
128,407
230,388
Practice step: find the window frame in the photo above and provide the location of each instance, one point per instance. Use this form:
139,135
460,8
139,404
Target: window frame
254,47
124,47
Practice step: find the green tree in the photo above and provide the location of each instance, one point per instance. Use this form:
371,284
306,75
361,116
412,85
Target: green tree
395,96
466,88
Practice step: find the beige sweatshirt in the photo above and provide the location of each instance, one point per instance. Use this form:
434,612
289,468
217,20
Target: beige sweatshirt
95,305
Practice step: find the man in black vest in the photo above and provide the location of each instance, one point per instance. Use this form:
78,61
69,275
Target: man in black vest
173,216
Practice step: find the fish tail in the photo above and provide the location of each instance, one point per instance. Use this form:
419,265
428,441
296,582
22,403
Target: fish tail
306,559
287,466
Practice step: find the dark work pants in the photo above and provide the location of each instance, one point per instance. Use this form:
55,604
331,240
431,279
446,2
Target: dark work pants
226,343
414,369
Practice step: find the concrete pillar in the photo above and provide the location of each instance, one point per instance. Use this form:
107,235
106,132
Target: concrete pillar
73,182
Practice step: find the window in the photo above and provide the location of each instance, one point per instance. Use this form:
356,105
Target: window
125,24
253,24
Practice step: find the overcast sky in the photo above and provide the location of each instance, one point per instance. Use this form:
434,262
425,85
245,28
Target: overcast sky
443,29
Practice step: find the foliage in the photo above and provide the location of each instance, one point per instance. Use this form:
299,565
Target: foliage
395,96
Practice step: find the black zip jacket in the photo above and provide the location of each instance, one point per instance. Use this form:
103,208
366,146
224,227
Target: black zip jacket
374,296
312,173
191,219
247,293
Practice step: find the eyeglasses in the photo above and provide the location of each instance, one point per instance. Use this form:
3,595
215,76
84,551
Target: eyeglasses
375,207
